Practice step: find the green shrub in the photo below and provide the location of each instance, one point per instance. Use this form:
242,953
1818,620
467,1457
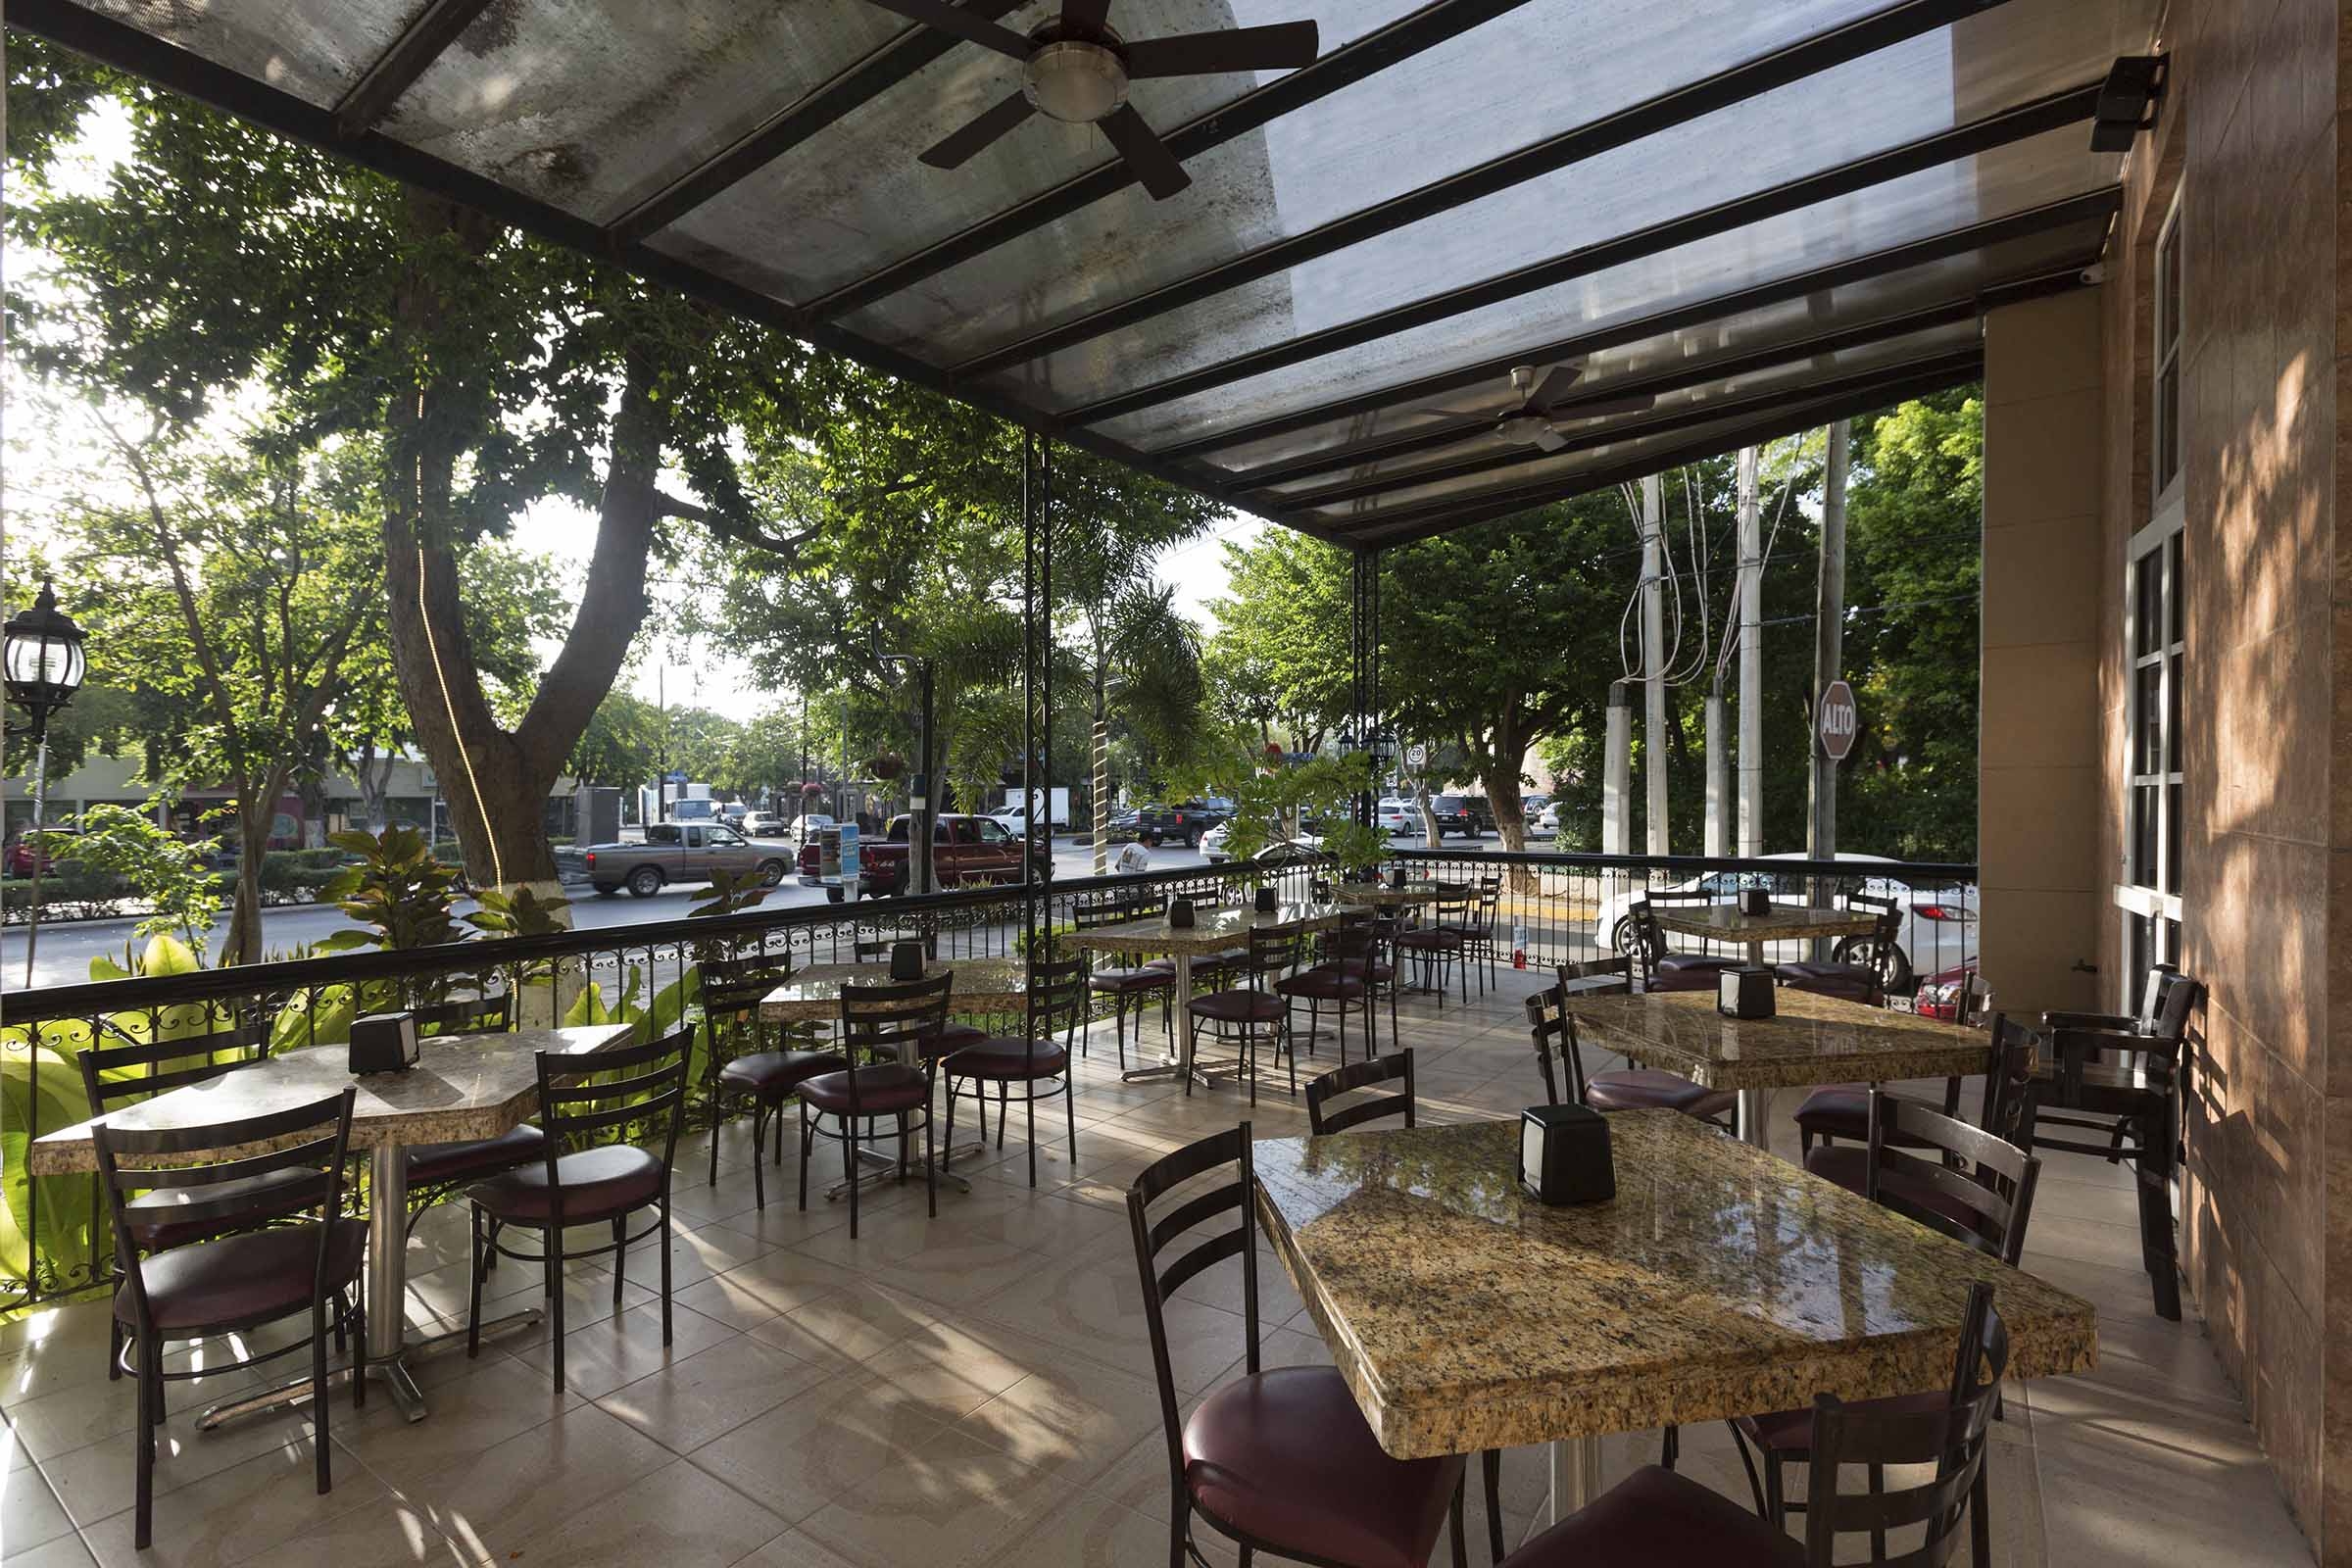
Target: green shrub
298,876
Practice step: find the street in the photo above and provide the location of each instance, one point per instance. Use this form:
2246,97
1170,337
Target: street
65,950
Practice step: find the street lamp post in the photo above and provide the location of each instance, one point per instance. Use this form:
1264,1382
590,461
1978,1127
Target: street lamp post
41,660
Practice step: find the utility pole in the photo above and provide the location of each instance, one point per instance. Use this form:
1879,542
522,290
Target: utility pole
1829,648
1751,659
1616,768
799,795
1654,664
1719,803
661,701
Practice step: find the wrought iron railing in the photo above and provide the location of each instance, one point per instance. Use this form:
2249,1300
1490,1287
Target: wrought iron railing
53,1236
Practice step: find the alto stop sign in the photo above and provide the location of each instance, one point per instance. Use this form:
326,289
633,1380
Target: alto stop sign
1837,721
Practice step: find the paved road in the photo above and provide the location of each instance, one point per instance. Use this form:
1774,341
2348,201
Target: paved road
63,952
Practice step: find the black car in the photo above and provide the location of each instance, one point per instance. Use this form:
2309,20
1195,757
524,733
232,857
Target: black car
1481,814
1453,813
1181,824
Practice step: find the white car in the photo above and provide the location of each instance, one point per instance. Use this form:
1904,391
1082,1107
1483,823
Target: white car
1304,846
1547,821
1014,823
811,824
1940,924
762,825
1399,819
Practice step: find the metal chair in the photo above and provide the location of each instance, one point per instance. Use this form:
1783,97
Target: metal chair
1663,968
2009,1110
1278,1461
585,1178
890,1036
437,1171
1032,1060
1618,1089
1865,981
1442,942
251,1268
1155,977
1369,1074
1239,1015
1342,981
1481,932
2121,1078
732,989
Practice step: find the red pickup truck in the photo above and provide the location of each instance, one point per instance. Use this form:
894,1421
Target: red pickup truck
964,850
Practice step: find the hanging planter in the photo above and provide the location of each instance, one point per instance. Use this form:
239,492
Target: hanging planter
888,766
811,791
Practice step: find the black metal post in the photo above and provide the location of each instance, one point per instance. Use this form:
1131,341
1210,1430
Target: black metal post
926,816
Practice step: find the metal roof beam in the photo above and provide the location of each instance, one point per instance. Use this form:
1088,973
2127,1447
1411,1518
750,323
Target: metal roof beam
2000,129
2090,207
879,72
1676,107
422,42
1433,25
1422,523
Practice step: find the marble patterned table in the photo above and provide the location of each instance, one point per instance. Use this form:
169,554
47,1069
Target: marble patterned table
1719,1282
1783,922
1216,929
1382,896
462,1088
1809,1040
812,993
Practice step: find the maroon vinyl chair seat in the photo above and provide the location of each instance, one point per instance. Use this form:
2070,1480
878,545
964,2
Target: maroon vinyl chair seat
1789,1433
1654,1089
1432,939
1690,971
1335,1498
1126,982
435,1163
1841,1110
774,1074
1239,1006
883,1090
1324,983
243,1279
271,1195
1372,969
1848,1165
597,1183
1854,982
1002,1058
1655,1518
954,1035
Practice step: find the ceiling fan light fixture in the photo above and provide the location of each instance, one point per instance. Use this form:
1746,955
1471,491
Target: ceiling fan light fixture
1075,81
1524,428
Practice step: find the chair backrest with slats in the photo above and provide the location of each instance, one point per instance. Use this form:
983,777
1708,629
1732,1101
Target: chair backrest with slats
1367,1074
1555,1035
1947,1442
1058,1001
2009,1092
896,1020
1951,1177
596,1097
1095,913
1152,1237
136,1069
466,1015
733,986
1450,906
313,1136
1273,954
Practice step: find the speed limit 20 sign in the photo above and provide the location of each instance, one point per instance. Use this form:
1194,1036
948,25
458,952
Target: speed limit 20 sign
1837,721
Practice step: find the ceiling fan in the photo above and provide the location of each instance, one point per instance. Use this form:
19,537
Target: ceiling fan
1532,422
1075,68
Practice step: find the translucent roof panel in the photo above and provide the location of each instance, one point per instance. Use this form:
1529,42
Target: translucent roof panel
1674,409
592,105
1365,152
1953,196
856,195
1891,295
313,50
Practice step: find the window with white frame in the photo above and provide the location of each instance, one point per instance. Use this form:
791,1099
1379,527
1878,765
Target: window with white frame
2155,639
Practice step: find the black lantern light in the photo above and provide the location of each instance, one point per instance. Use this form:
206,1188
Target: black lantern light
41,658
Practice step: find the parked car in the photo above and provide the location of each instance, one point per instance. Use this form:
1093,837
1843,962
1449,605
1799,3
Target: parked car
1453,813
1547,820
1282,851
1399,819
673,852
1183,823
1481,815
762,825
1957,994
812,823
733,813
1937,923
20,851
963,849
1014,823
1531,808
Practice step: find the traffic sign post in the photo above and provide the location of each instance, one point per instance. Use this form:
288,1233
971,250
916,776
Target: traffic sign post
1837,722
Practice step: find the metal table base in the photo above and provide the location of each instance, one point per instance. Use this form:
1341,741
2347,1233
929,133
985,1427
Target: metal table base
1755,1118
1574,1477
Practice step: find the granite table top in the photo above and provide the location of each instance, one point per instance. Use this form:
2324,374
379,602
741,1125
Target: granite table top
462,1087
1388,897
813,992
1809,1040
1219,929
1784,922
1720,1281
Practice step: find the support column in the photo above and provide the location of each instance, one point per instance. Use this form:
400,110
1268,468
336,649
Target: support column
1751,659
1719,790
1654,749
1616,771
1829,653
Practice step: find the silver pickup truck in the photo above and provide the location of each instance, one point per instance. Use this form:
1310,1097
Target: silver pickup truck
673,852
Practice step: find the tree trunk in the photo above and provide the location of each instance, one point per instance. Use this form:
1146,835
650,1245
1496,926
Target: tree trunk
374,779
1101,831
1501,777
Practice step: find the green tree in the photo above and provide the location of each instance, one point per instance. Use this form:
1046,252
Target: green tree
699,742
1278,660
622,745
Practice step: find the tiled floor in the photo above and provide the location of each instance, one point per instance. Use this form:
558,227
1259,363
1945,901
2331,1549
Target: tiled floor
976,1388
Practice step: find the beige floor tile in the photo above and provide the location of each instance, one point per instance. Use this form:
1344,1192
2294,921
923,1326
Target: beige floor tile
766,1288
1072,1420
85,1412
391,1532
1087,1532
959,1270
704,1395
625,1346
493,1502
30,1512
237,1513
470,1407
849,1326
952,1503
792,1550
826,1444
678,1517
96,1481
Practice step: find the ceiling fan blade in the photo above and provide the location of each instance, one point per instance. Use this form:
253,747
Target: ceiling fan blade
1595,408
1283,46
1084,15
1145,153
1486,414
962,23
957,147
1553,387
1550,440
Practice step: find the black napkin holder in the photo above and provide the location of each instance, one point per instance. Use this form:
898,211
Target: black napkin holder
1755,900
1265,901
1180,914
1319,890
1745,991
906,961
384,1042
1565,1154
